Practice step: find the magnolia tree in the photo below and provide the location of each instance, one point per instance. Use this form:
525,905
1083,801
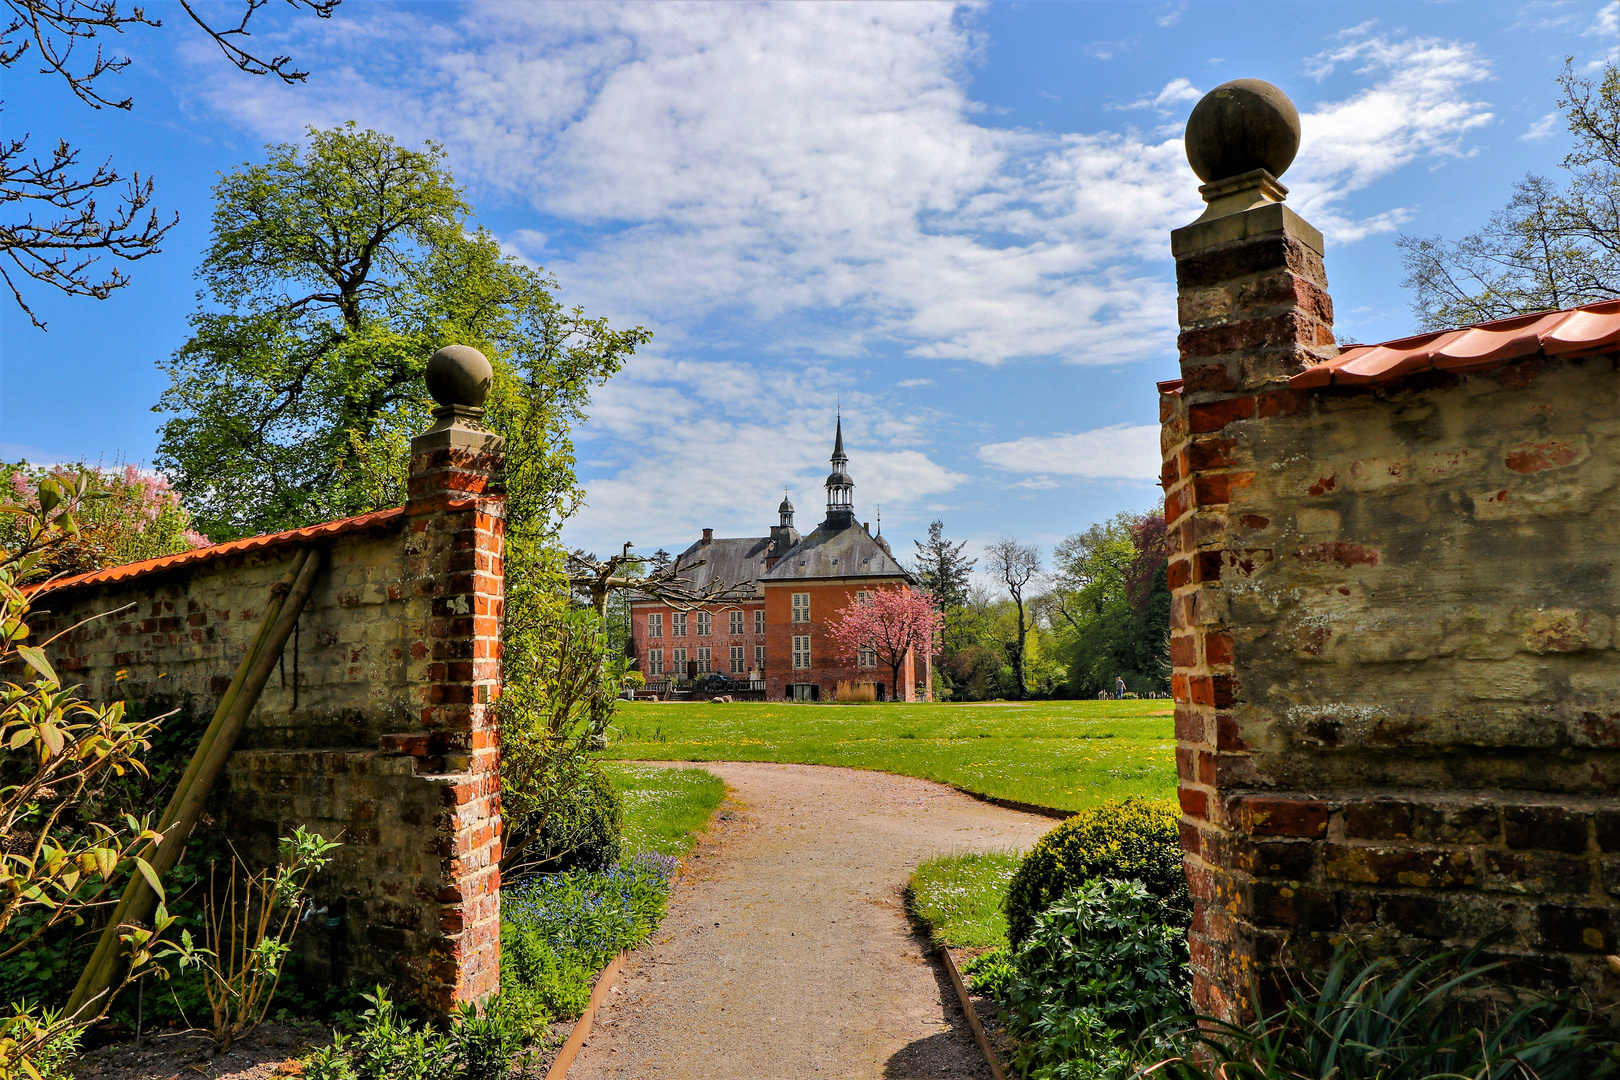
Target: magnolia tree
890,622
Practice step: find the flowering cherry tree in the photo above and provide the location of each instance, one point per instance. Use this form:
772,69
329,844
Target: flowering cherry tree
890,622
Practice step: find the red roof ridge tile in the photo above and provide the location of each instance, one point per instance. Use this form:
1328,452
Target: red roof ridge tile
322,531
1567,332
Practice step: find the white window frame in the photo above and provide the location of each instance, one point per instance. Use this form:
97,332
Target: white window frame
655,624
655,661
704,660
759,658
736,622
759,620
866,657
677,624
679,662
738,660
705,624
863,597
801,652
801,607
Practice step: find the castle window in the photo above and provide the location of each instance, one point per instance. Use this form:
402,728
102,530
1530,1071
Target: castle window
866,657
680,663
736,622
863,597
801,651
655,661
759,658
737,660
801,607
759,621
677,624
655,624
703,660
705,623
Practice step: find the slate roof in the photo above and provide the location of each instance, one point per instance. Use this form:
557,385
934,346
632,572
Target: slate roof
836,553
735,561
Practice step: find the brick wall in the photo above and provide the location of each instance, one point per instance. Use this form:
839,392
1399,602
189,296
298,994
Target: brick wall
719,642
829,662
376,725
1397,668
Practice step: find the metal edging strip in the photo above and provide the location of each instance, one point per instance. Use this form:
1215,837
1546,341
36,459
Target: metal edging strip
972,1017
582,1027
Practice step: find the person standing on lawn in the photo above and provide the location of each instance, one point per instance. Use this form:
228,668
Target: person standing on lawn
1119,688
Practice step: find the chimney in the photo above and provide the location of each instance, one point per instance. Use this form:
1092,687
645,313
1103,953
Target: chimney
708,536
1254,309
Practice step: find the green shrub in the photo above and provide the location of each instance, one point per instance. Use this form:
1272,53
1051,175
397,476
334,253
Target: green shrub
1443,1015
990,972
581,832
1131,839
1099,971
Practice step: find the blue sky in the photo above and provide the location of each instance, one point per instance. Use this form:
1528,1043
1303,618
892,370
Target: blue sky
954,219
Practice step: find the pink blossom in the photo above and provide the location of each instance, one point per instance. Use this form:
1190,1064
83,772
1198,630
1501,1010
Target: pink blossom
195,539
891,623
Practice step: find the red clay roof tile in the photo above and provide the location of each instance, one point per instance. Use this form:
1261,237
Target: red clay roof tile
1592,328
232,547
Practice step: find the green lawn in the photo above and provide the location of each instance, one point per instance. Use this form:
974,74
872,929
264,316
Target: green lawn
960,897
664,809
1064,754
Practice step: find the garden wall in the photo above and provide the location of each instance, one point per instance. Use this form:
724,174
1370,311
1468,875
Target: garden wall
375,728
1396,592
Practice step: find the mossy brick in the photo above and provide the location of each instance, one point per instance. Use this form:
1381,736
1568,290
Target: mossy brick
1552,828
1535,872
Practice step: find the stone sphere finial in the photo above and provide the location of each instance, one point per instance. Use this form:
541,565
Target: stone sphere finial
1241,126
459,375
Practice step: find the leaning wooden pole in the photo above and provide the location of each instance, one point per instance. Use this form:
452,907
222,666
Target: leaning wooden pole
207,764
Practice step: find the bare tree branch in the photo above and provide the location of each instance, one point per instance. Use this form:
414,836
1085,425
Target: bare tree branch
668,584
61,233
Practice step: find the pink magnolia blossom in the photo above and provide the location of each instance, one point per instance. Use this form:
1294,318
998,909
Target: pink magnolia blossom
891,623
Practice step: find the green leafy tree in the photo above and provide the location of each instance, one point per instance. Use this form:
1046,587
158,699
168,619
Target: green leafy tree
335,271
1552,246
1110,602
947,576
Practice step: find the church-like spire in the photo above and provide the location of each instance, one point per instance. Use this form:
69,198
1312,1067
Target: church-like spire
840,488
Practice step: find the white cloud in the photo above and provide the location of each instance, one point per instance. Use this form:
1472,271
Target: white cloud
908,384
724,159
1170,15
1417,106
1175,92
1606,28
1119,452
1541,129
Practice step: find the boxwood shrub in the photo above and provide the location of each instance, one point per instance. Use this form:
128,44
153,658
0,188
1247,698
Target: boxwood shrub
1130,839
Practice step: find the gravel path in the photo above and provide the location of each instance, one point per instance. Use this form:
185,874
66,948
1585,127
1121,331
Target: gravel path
788,951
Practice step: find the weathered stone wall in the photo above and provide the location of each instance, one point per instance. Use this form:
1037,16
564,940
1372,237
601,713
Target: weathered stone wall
1397,667
376,726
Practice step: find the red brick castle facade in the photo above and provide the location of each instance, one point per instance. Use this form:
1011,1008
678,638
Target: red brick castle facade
787,590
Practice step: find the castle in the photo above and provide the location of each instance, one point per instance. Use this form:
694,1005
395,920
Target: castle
785,590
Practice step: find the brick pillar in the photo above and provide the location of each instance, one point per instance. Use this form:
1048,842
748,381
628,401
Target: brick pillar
456,508
1254,309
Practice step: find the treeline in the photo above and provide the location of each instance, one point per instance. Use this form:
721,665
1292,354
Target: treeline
1066,624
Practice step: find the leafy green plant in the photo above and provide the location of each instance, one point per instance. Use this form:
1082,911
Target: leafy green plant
1400,1019
989,973
249,922
1131,839
59,864
387,1046
1100,968
483,1045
